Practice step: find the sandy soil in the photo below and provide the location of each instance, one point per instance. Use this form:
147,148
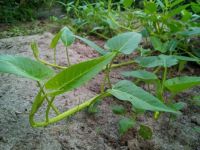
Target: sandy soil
82,131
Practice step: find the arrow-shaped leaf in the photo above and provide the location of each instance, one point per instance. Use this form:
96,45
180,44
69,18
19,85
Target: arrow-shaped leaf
77,75
179,84
24,67
125,43
140,99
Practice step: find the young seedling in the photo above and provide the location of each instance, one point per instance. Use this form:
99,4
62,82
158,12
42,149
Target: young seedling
77,75
67,38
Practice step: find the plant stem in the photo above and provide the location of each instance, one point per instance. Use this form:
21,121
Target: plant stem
121,26
109,5
103,83
156,70
108,77
122,64
68,113
190,54
62,67
164,79
108,69
77,3
48,109
159,90
101,35
49,64
54,55
68,60
49,102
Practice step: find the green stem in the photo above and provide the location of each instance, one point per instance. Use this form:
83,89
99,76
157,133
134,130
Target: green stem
101,35
77,3
54,55
68,113
122,64
108,69
164,79
190,54
48,109
62,67
68,60
103,83
108,77
49,64
119,25
157,27
109,5
51,104
156,70
159,90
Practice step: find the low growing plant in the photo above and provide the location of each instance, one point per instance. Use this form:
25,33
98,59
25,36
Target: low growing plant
52,85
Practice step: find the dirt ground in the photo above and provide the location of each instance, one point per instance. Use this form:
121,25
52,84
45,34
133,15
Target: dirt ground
83,131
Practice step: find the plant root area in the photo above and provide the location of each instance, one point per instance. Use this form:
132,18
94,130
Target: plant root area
84,131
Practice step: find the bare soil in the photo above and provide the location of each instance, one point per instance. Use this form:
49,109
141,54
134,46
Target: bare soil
83,131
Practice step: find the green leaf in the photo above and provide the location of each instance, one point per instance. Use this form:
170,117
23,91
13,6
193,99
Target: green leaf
167,61
24,67
92,44
145,132
185,58
175,3
125,124
118,109
180,84
125,43
150,7
111,21
195,7
192,31
157,44
67,36
170,45
144,32
163,47
140,99
35,50
176,11
55,40
197,129
178,106
186,15
155,61
196,100
38,101
141,74
148,62
160,3
76,75
196,52
126,3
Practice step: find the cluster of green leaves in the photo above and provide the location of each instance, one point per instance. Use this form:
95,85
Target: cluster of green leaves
170,25
75,75
103,18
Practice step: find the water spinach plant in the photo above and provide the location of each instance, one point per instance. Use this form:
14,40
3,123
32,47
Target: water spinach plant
52,85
